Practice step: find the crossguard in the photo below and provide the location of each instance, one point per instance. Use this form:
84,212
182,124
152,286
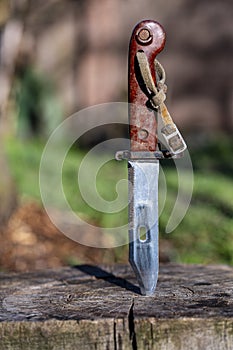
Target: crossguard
148,36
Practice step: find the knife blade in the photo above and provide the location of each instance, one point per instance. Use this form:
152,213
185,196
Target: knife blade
143,223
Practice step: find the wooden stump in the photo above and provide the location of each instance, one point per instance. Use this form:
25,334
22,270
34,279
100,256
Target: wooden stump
89,307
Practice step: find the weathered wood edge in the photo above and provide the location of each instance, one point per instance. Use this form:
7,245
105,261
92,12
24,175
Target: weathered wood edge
151,333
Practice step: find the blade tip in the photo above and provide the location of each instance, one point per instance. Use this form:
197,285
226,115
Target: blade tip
148,292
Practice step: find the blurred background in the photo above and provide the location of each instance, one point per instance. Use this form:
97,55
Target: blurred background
59,56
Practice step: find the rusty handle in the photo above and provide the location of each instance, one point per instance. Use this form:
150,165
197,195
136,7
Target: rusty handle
147,36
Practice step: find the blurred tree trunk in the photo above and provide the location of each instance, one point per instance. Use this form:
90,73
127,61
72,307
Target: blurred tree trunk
12,22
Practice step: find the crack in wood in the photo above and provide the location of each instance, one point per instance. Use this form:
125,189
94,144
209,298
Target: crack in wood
132,333
114,335
188,288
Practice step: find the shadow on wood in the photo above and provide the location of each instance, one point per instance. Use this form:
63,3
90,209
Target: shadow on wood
99,273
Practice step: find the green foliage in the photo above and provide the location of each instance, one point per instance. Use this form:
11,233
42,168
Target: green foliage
214,154
24,161
38,109
204,236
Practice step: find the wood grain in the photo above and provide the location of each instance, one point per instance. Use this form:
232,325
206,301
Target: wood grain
90,307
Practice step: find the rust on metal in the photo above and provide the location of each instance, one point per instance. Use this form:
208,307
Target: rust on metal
148,36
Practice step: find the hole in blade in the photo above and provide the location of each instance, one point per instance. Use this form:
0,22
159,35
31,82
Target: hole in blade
142,233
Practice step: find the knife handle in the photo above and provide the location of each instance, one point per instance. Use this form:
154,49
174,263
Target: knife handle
148,36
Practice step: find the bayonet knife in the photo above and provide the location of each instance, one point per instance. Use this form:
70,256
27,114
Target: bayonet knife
146,102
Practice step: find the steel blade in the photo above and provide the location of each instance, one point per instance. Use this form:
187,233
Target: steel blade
143,216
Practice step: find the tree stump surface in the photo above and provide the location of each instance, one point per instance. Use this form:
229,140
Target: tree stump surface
89,307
